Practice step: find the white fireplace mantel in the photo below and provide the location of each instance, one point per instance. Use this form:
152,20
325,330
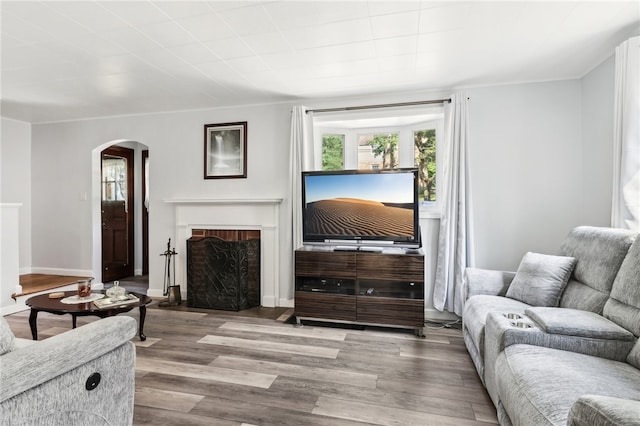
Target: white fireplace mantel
214,213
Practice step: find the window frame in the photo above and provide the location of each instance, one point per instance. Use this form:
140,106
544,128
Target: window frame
406,154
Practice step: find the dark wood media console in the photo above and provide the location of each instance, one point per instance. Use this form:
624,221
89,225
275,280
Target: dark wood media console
360,287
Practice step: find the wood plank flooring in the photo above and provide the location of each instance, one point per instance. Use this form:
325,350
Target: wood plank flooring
203,367
34,283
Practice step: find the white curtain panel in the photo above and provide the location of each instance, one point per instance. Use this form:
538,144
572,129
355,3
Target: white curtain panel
455,243
625,212
301,159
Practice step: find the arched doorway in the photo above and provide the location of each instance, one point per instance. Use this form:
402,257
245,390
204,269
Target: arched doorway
107,194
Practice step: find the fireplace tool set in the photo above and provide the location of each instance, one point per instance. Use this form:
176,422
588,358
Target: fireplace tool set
170,290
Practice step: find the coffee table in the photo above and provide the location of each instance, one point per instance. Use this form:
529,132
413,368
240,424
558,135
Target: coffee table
43,303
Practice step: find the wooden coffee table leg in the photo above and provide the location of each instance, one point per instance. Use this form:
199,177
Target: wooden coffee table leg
143,314
32,323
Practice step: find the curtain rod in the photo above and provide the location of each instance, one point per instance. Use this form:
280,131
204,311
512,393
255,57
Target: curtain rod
353,108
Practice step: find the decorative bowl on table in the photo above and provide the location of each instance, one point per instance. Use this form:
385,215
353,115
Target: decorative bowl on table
116,292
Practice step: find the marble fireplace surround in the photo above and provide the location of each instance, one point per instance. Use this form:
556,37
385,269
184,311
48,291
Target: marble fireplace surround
260,214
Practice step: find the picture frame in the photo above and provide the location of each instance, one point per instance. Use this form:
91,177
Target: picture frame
225,150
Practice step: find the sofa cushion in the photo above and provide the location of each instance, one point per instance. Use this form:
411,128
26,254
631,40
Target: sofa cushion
623,307
591,410
634,356
7,339
574,322
23,343
580,296
540,279
539,385
484,281
599,252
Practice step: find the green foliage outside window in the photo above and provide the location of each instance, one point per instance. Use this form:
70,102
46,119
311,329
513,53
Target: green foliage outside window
332,152
385,146
425,155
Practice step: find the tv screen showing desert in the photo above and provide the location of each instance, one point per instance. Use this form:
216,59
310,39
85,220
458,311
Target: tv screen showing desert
359,205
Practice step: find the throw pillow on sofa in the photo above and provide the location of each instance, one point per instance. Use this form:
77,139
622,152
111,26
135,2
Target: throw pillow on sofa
541,279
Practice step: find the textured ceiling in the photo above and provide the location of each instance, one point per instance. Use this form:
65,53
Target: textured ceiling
71,60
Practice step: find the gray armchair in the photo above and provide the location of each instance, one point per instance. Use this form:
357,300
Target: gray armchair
80,377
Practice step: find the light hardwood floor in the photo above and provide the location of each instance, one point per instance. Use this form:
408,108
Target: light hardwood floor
202,367
34,283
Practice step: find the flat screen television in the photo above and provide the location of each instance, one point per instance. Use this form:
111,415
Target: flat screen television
361,207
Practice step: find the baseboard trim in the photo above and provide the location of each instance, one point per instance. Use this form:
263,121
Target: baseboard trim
18,307
286,303
283,303
268,301
20,300
434,314
152,292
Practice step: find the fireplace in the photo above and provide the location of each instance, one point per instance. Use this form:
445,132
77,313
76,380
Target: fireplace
236,214
223,269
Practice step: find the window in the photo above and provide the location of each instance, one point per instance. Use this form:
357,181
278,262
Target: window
425,161
376,140
114,182
332,152
378,151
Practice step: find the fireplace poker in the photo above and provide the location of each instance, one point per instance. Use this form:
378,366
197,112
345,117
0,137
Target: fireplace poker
171,290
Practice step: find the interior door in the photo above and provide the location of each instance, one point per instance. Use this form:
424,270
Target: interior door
117,213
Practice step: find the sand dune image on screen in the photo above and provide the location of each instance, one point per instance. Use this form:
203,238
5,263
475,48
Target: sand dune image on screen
351,216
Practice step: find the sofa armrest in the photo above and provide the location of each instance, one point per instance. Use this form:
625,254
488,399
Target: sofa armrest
576,322
35,364
590,410
485,281
500,333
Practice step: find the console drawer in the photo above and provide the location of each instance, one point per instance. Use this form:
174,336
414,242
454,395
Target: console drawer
387,310
390,267
329,264
330,306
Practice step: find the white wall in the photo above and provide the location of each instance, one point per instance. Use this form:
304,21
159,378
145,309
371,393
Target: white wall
15,180
9,271
542,163
597,144
528,166
526,169
62,172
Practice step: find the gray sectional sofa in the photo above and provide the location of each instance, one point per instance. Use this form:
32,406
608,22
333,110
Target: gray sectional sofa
84,376
556,343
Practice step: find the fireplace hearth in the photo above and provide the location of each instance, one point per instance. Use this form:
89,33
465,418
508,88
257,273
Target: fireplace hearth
223,269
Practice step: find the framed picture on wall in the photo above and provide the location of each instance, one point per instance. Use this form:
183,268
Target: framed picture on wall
225,150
